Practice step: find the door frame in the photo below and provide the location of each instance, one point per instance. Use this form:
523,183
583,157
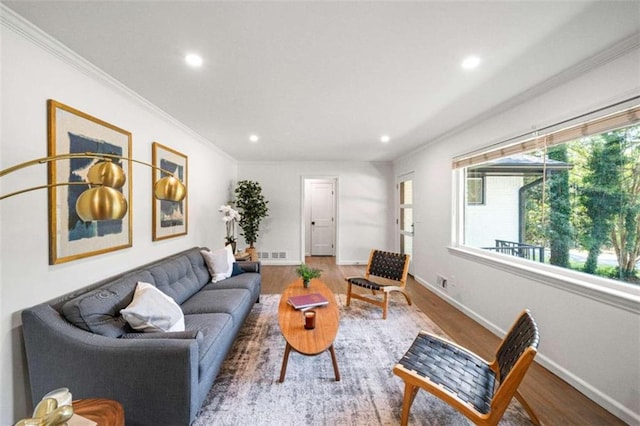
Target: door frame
410,175
336,207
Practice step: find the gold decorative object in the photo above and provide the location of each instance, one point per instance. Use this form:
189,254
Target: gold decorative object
47,413
103,205
169,208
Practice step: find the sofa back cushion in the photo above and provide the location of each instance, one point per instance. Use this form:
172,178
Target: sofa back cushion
98,310
176,278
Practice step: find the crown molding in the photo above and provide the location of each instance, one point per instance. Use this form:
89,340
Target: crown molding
19,25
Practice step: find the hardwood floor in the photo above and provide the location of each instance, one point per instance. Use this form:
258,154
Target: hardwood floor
554,401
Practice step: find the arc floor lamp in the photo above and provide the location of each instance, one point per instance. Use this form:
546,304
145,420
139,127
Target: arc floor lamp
102,200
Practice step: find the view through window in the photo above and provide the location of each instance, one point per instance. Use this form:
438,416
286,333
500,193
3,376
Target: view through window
574,204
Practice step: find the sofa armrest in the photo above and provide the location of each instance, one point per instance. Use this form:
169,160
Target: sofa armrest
249,265
154,379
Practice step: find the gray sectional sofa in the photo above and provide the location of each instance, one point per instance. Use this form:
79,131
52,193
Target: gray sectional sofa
80,340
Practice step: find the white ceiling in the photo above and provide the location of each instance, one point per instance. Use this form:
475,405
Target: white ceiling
322,80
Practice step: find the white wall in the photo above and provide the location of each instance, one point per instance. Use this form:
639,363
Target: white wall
594,345
365,207
498,218
31,74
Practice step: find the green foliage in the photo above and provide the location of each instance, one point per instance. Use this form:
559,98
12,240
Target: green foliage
307,273
595,206
601,194
559,232
253,208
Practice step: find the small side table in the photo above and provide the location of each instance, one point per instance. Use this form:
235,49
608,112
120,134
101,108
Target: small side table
105,412
243,255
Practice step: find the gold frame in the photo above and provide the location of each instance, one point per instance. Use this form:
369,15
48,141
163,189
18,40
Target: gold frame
63,121
159,231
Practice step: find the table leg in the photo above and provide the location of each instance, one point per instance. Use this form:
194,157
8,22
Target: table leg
283,370
335,363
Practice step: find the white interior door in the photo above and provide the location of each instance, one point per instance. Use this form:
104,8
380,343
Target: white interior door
322,218
405,216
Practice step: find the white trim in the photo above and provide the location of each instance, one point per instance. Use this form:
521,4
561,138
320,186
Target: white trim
620,295
13,21
587,389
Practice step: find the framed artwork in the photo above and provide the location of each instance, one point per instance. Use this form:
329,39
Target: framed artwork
169,217
72,131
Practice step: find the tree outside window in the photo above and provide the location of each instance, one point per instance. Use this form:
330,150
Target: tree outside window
579,202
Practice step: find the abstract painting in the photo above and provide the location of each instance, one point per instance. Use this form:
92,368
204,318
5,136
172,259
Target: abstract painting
169,217
72,132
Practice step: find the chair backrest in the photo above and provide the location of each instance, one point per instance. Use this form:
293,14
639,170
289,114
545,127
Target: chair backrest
392,266
523,335
513,358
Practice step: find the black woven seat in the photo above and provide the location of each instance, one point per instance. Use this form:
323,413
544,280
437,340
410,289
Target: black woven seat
478,389
460,372
364,283
392,267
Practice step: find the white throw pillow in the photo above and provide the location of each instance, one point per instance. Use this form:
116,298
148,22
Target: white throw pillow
230,259
151,310
219,262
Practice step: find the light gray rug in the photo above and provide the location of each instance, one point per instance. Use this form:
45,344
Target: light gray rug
247,391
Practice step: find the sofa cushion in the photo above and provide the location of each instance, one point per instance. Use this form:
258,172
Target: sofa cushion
248,281
176,278
98,310
187,334
230,301
217,334
151,311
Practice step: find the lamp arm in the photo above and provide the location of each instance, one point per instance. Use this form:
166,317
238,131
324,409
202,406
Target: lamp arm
68,156
120,157
22,191
168,188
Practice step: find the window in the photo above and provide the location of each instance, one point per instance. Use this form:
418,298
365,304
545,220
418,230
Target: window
475,190
569,198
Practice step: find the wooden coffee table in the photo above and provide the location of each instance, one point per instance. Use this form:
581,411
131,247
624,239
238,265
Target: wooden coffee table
308,342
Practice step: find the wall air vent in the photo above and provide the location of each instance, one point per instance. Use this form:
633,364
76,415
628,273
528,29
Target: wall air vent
278,254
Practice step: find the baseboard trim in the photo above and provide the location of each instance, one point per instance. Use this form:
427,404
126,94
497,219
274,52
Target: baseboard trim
606,402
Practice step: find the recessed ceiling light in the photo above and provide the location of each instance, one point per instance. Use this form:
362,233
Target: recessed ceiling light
471,62
254,138
385,138
193,60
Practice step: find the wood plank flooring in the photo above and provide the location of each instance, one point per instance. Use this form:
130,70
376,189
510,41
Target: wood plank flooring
554,401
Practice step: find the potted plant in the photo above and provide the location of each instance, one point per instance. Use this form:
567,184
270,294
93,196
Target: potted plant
307,273
253,208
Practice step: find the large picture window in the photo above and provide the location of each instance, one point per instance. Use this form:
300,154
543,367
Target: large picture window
569,198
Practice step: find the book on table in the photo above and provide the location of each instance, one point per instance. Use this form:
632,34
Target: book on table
307,300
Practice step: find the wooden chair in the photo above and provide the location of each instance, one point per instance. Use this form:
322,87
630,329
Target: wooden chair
386,272
464,380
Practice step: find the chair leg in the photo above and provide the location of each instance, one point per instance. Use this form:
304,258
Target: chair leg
406,296
410,392
348,293
386,305
527,408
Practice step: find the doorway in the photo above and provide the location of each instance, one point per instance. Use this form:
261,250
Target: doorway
405,223
320,217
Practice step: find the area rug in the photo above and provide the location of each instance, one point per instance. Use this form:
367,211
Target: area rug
247,391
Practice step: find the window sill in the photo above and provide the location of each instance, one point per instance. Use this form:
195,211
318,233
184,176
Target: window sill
620,295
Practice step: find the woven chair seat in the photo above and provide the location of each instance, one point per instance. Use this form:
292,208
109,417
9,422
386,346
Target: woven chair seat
363,282
460,372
